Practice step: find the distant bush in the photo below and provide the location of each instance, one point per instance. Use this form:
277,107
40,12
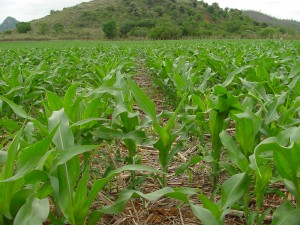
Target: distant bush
23,27
58,27
110,29
129,26
166,31
43,28
139,32
126,28
7,32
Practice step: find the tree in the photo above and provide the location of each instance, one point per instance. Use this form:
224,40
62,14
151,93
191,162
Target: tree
194,3
58,27
23,27
166,31
43,28
110,29
159,10
126,28
268,32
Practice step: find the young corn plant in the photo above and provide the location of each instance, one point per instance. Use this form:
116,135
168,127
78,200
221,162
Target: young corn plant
23,199
232,190
222,103
283,151
70,187
166,137
23,183
247,126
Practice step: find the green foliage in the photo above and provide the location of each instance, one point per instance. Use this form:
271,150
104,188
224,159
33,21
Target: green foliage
8,32
63,104
110,29
23,27
189,18
262,18
43,28
58,27
166,31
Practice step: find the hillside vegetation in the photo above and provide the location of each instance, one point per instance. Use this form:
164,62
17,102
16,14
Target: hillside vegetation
155,19
8,24
263,18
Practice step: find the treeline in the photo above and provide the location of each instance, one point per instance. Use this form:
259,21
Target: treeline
154,19
175,19
263,18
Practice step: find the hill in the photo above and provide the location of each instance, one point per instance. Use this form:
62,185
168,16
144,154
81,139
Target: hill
155,19
263,18
8,24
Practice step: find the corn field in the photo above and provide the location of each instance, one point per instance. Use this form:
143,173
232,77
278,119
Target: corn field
77,120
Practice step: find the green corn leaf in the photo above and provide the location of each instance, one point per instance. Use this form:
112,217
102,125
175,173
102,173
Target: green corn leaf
126,195
194,160
17,109
206,216
234,153
34,211
139,137
92,110
287,162
68,99
142,100
67,174
261,183
121,108
108,133
232,75
3,157
171,121
7,191
272,114
294,71
211,206
63,138
99,184
233,189
19,199
64,156
80,197
35,176
94,218
30,156
286,214
12,152
54,102
81,191
247,126
263,152
10,125
206,77
87,121
255,90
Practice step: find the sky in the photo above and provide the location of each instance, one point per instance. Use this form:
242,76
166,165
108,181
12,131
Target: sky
26,10
282,9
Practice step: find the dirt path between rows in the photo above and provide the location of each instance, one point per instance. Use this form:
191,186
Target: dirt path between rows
164,211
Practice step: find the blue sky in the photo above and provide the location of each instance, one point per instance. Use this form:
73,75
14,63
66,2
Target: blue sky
26,10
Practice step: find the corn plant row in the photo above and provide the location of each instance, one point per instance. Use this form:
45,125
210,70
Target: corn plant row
59,106
254,89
